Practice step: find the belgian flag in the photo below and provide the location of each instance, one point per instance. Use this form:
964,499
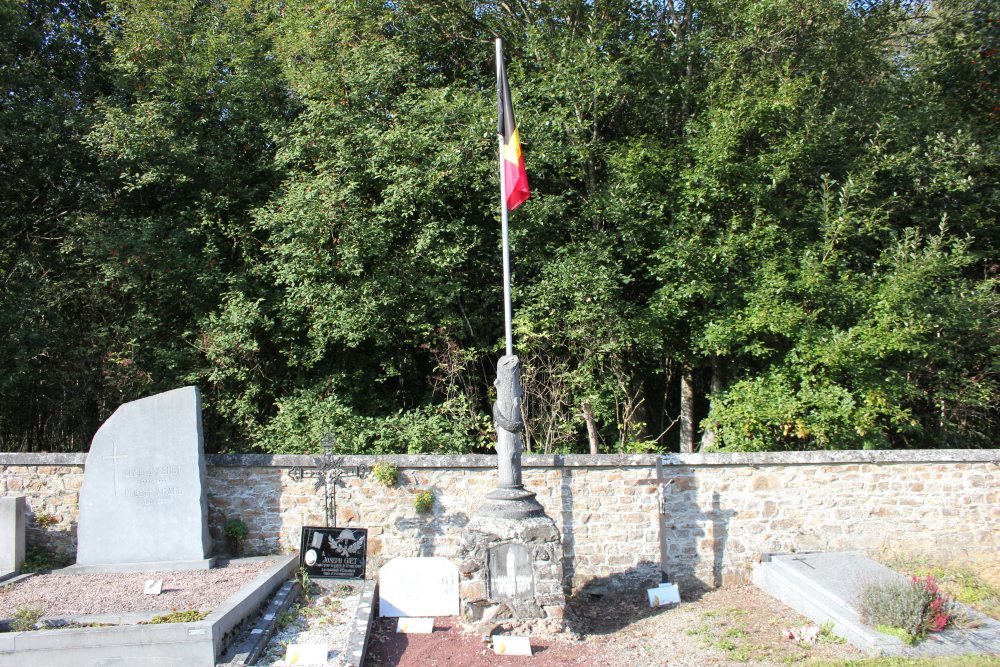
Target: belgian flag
515,178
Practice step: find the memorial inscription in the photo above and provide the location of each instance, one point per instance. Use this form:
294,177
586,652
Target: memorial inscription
333,553
510,572
143,497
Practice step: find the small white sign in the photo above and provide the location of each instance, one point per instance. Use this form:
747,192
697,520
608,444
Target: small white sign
415,626
153,586
306,654
663,594
418,587
503,645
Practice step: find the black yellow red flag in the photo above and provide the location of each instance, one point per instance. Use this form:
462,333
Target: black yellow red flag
516,189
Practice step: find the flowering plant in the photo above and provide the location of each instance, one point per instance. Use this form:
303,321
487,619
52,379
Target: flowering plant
908,610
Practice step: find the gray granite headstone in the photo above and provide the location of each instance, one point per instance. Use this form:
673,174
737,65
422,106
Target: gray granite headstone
510,575
143,502
11,535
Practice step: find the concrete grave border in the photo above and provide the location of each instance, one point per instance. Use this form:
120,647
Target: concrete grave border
163,645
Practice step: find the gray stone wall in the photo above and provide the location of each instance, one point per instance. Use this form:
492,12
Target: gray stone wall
722,510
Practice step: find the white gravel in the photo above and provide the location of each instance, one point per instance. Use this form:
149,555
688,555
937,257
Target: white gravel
73,594
325,619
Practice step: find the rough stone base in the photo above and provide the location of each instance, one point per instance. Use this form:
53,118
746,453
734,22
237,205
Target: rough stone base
539,535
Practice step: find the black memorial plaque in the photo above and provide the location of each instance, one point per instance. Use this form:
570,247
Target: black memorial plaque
334,553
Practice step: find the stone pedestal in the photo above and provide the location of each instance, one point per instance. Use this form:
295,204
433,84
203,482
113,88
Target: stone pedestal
511,569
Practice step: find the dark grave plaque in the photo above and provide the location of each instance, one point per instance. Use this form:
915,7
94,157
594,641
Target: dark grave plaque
333,553
510,575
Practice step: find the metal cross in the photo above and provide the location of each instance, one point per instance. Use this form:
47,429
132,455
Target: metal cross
329,469
802,559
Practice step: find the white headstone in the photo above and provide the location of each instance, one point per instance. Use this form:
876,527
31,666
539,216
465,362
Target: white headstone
153,587
418,587
143,497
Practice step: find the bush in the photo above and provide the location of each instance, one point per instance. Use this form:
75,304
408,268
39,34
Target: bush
386,473
912,608
424,501
236,532
37,559
25,619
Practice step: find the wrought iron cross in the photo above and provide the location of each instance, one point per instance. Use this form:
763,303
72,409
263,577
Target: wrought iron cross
329,469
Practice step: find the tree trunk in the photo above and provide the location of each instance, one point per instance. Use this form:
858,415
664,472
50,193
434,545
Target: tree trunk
588,415
687,410
718,385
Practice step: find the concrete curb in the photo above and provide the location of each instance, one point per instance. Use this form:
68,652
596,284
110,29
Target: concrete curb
361,627
255,641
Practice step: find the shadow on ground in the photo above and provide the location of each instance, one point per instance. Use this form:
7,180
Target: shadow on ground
605,605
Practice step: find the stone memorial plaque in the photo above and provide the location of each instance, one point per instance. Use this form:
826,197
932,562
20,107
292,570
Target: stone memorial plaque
415,626
153,587
333,553
418,587
143,497
306,654
510,572
504,645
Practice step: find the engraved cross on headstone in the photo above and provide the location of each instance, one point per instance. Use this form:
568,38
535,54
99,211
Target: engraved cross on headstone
329,470
114,460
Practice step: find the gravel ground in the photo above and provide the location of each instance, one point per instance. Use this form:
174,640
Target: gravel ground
325,619
72,594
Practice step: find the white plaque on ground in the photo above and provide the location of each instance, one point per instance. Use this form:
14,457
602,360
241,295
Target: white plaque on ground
663,594
306,654
415,626
503,645
418,587
153,586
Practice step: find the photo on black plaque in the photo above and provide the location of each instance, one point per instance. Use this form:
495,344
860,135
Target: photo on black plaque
333,553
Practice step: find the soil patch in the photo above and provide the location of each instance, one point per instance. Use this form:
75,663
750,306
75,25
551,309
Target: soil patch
737,625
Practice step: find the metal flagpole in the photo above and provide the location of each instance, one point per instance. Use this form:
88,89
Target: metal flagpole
503,219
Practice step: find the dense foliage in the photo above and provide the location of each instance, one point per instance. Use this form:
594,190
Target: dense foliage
788,207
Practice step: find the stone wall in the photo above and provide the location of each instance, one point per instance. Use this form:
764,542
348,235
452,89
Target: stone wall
721,510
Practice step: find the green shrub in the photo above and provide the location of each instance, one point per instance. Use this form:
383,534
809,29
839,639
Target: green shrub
236,532
25,618
386,473
37,559
424,501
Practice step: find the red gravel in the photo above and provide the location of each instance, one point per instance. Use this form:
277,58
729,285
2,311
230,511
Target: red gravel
448,645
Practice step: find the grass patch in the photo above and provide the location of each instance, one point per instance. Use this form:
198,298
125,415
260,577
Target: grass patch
955,661
827,636
960,583
187,616
724,631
